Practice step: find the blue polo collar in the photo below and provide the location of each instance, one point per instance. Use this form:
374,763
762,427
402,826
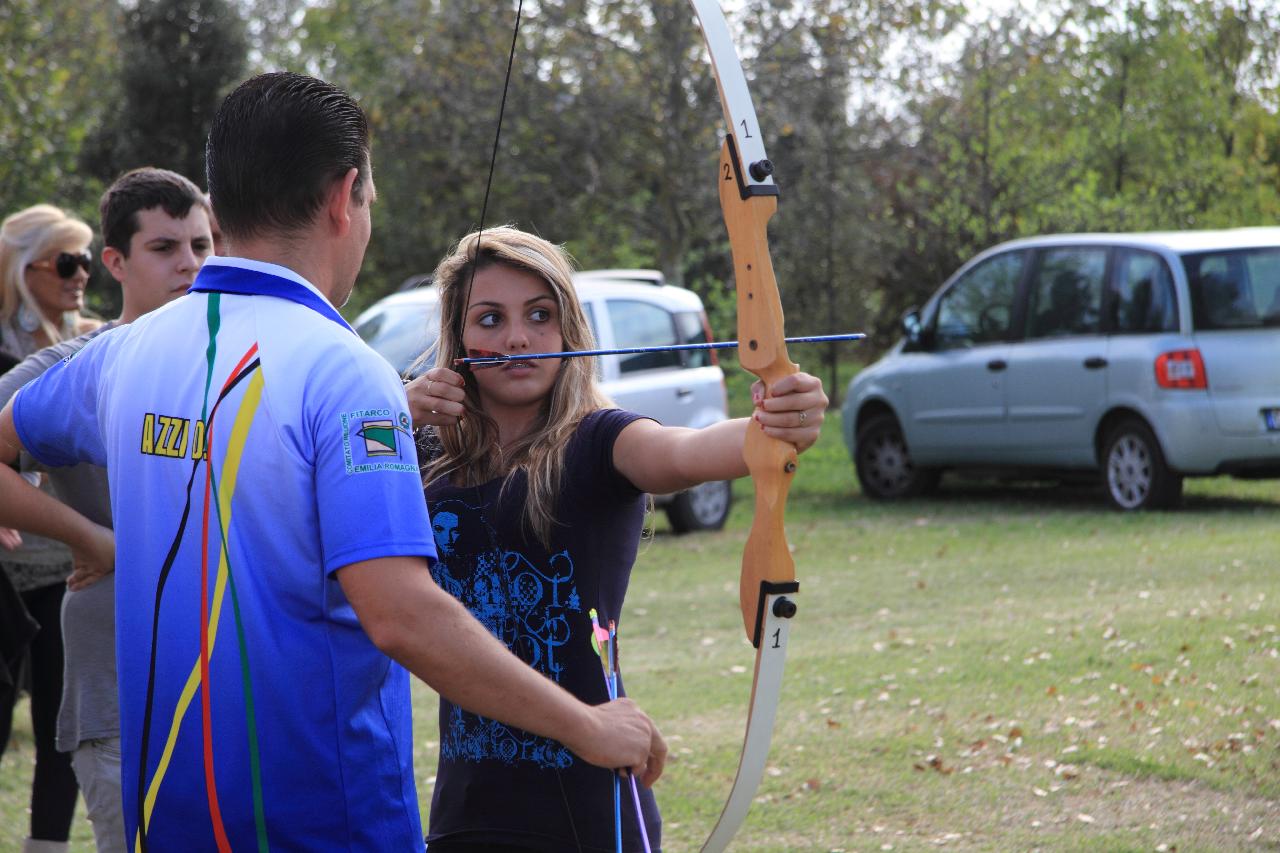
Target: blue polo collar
258,278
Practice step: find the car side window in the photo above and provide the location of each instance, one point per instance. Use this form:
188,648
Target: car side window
642,324
1142,296
1065,297
1234,289
978,308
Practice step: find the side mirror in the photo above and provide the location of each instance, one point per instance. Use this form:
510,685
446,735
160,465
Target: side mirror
912,328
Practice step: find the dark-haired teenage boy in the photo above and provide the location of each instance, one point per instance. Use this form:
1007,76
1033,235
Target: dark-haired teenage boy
155,226
282,545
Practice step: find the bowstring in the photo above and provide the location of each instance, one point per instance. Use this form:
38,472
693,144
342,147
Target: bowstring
493,161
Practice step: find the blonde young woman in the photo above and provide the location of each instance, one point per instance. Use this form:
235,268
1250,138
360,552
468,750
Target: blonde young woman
536,487
44,267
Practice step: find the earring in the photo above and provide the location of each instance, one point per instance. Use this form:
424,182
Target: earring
27,319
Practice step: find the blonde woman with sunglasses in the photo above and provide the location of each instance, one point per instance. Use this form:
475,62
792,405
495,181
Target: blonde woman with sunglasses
536,487
44,269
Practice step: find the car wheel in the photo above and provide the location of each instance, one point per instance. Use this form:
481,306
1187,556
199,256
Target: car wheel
1134,470
884,464
704,507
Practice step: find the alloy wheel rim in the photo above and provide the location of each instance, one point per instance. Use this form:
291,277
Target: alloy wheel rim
888,464
1129,472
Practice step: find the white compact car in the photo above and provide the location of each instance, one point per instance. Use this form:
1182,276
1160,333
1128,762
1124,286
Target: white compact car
1145,358
626,308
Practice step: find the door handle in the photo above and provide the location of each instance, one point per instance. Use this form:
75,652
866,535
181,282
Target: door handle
1094,362
997,364
681,393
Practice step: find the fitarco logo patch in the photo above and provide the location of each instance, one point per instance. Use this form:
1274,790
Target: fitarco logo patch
376,440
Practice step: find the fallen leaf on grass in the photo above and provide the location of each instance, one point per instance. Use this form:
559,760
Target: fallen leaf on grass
1084,818
935,763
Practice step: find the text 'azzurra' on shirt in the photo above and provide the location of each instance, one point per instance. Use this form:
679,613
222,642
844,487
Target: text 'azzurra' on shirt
171,436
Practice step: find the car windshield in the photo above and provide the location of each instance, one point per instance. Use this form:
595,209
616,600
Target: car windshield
401,332
1234,289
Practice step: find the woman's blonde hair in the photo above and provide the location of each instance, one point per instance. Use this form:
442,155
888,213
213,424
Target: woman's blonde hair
24,238
471,454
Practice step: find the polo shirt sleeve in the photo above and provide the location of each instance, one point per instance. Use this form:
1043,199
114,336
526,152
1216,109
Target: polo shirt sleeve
368,490
56,415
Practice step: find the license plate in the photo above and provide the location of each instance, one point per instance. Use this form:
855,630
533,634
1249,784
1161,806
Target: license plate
1272,417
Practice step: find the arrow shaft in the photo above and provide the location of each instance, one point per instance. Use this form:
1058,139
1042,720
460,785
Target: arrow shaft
498,359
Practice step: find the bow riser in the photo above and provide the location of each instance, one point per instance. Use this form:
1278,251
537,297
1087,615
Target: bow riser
763,352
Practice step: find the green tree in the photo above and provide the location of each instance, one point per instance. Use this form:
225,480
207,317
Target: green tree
55,55
180,59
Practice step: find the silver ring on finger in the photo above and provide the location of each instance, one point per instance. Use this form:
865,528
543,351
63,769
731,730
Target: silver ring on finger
803,417
429,381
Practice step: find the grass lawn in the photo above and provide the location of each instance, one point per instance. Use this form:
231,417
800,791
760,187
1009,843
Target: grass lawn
997,668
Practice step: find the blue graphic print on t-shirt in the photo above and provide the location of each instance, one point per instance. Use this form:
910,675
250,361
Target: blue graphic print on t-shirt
524,605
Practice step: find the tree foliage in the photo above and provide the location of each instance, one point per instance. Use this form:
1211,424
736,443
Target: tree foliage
907,135
179,58
55,55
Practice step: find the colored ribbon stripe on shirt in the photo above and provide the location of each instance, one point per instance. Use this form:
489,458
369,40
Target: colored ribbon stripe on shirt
211,616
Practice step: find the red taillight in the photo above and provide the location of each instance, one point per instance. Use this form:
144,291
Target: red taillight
1183,368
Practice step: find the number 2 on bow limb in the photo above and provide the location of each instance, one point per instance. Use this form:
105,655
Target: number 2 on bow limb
748,199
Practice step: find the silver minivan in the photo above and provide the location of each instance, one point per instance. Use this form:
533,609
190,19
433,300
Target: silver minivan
1143,358
626,308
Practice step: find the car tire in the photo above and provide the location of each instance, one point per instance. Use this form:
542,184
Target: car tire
1134,472
884,465
703,507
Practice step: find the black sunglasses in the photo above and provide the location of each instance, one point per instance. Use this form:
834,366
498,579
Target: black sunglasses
66,262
